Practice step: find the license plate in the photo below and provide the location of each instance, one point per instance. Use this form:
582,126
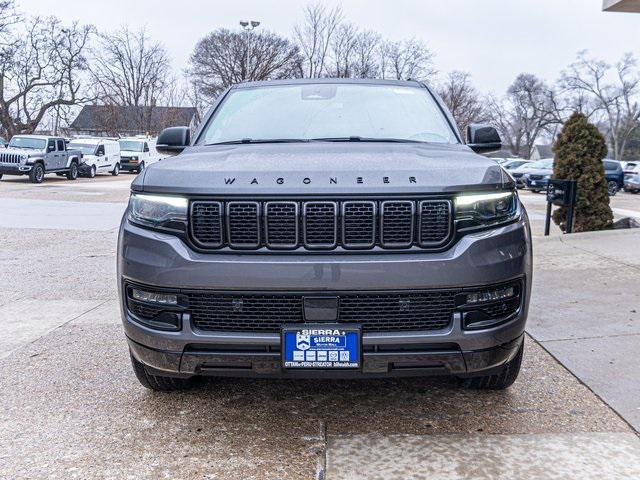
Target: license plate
321,346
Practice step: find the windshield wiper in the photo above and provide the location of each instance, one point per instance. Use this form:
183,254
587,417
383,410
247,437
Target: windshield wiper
364,139
258,140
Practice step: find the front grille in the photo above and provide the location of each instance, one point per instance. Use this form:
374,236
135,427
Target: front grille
375,312
321,225
243,313
144,310
243,224
281,224
206,223
415,310
12,158
320,221
396,225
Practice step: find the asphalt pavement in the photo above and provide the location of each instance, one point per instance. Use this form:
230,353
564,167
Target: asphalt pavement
71,407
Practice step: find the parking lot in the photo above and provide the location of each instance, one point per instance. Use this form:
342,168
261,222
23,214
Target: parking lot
71,407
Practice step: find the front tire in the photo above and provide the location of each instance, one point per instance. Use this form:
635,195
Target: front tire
612,188
92,172
501,380
159,383
72,173
116,170
36,175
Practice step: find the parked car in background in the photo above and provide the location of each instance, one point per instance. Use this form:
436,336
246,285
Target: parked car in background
614,175
37,155
537,174
137,153
629,168
515,163
632,182
99,155
518,174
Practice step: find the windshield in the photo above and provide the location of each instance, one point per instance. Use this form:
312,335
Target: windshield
86,149
28,142
546,163
131,145
331,112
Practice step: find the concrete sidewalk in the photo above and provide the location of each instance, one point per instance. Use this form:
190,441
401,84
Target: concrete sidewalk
585,311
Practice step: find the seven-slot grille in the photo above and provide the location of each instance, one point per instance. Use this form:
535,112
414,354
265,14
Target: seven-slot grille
321,224
10,158
375,312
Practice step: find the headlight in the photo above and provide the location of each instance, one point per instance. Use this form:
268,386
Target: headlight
163,212
485,209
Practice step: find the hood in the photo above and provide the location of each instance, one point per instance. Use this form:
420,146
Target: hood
23,151
323,168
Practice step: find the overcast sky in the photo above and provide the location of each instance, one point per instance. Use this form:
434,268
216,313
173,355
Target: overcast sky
493,39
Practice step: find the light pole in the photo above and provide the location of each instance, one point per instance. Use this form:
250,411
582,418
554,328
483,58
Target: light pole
248,27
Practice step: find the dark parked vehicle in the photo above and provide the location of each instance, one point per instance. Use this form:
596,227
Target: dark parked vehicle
615,176
536,178
538,174
325,228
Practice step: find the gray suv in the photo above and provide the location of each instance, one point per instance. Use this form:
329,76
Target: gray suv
325,228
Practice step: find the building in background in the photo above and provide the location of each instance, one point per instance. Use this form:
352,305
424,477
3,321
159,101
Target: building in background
113,120
621,6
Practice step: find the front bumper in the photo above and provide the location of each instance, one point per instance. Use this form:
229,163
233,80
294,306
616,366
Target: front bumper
128,165
484,258
539,184
15,169
632,185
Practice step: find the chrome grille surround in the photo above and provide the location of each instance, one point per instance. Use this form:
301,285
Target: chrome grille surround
316,225
12,158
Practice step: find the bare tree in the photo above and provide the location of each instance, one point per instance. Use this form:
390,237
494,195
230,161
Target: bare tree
41,66
223,58
611,94
365,63
343,51
527,112
463,99
129,69
314,37
408,59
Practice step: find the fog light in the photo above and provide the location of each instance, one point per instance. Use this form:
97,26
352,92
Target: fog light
490,295
157,298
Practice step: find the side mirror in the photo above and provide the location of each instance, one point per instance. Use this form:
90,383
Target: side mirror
173,140
483,138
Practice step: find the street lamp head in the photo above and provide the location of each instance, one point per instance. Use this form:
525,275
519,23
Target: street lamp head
244,24
254,24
